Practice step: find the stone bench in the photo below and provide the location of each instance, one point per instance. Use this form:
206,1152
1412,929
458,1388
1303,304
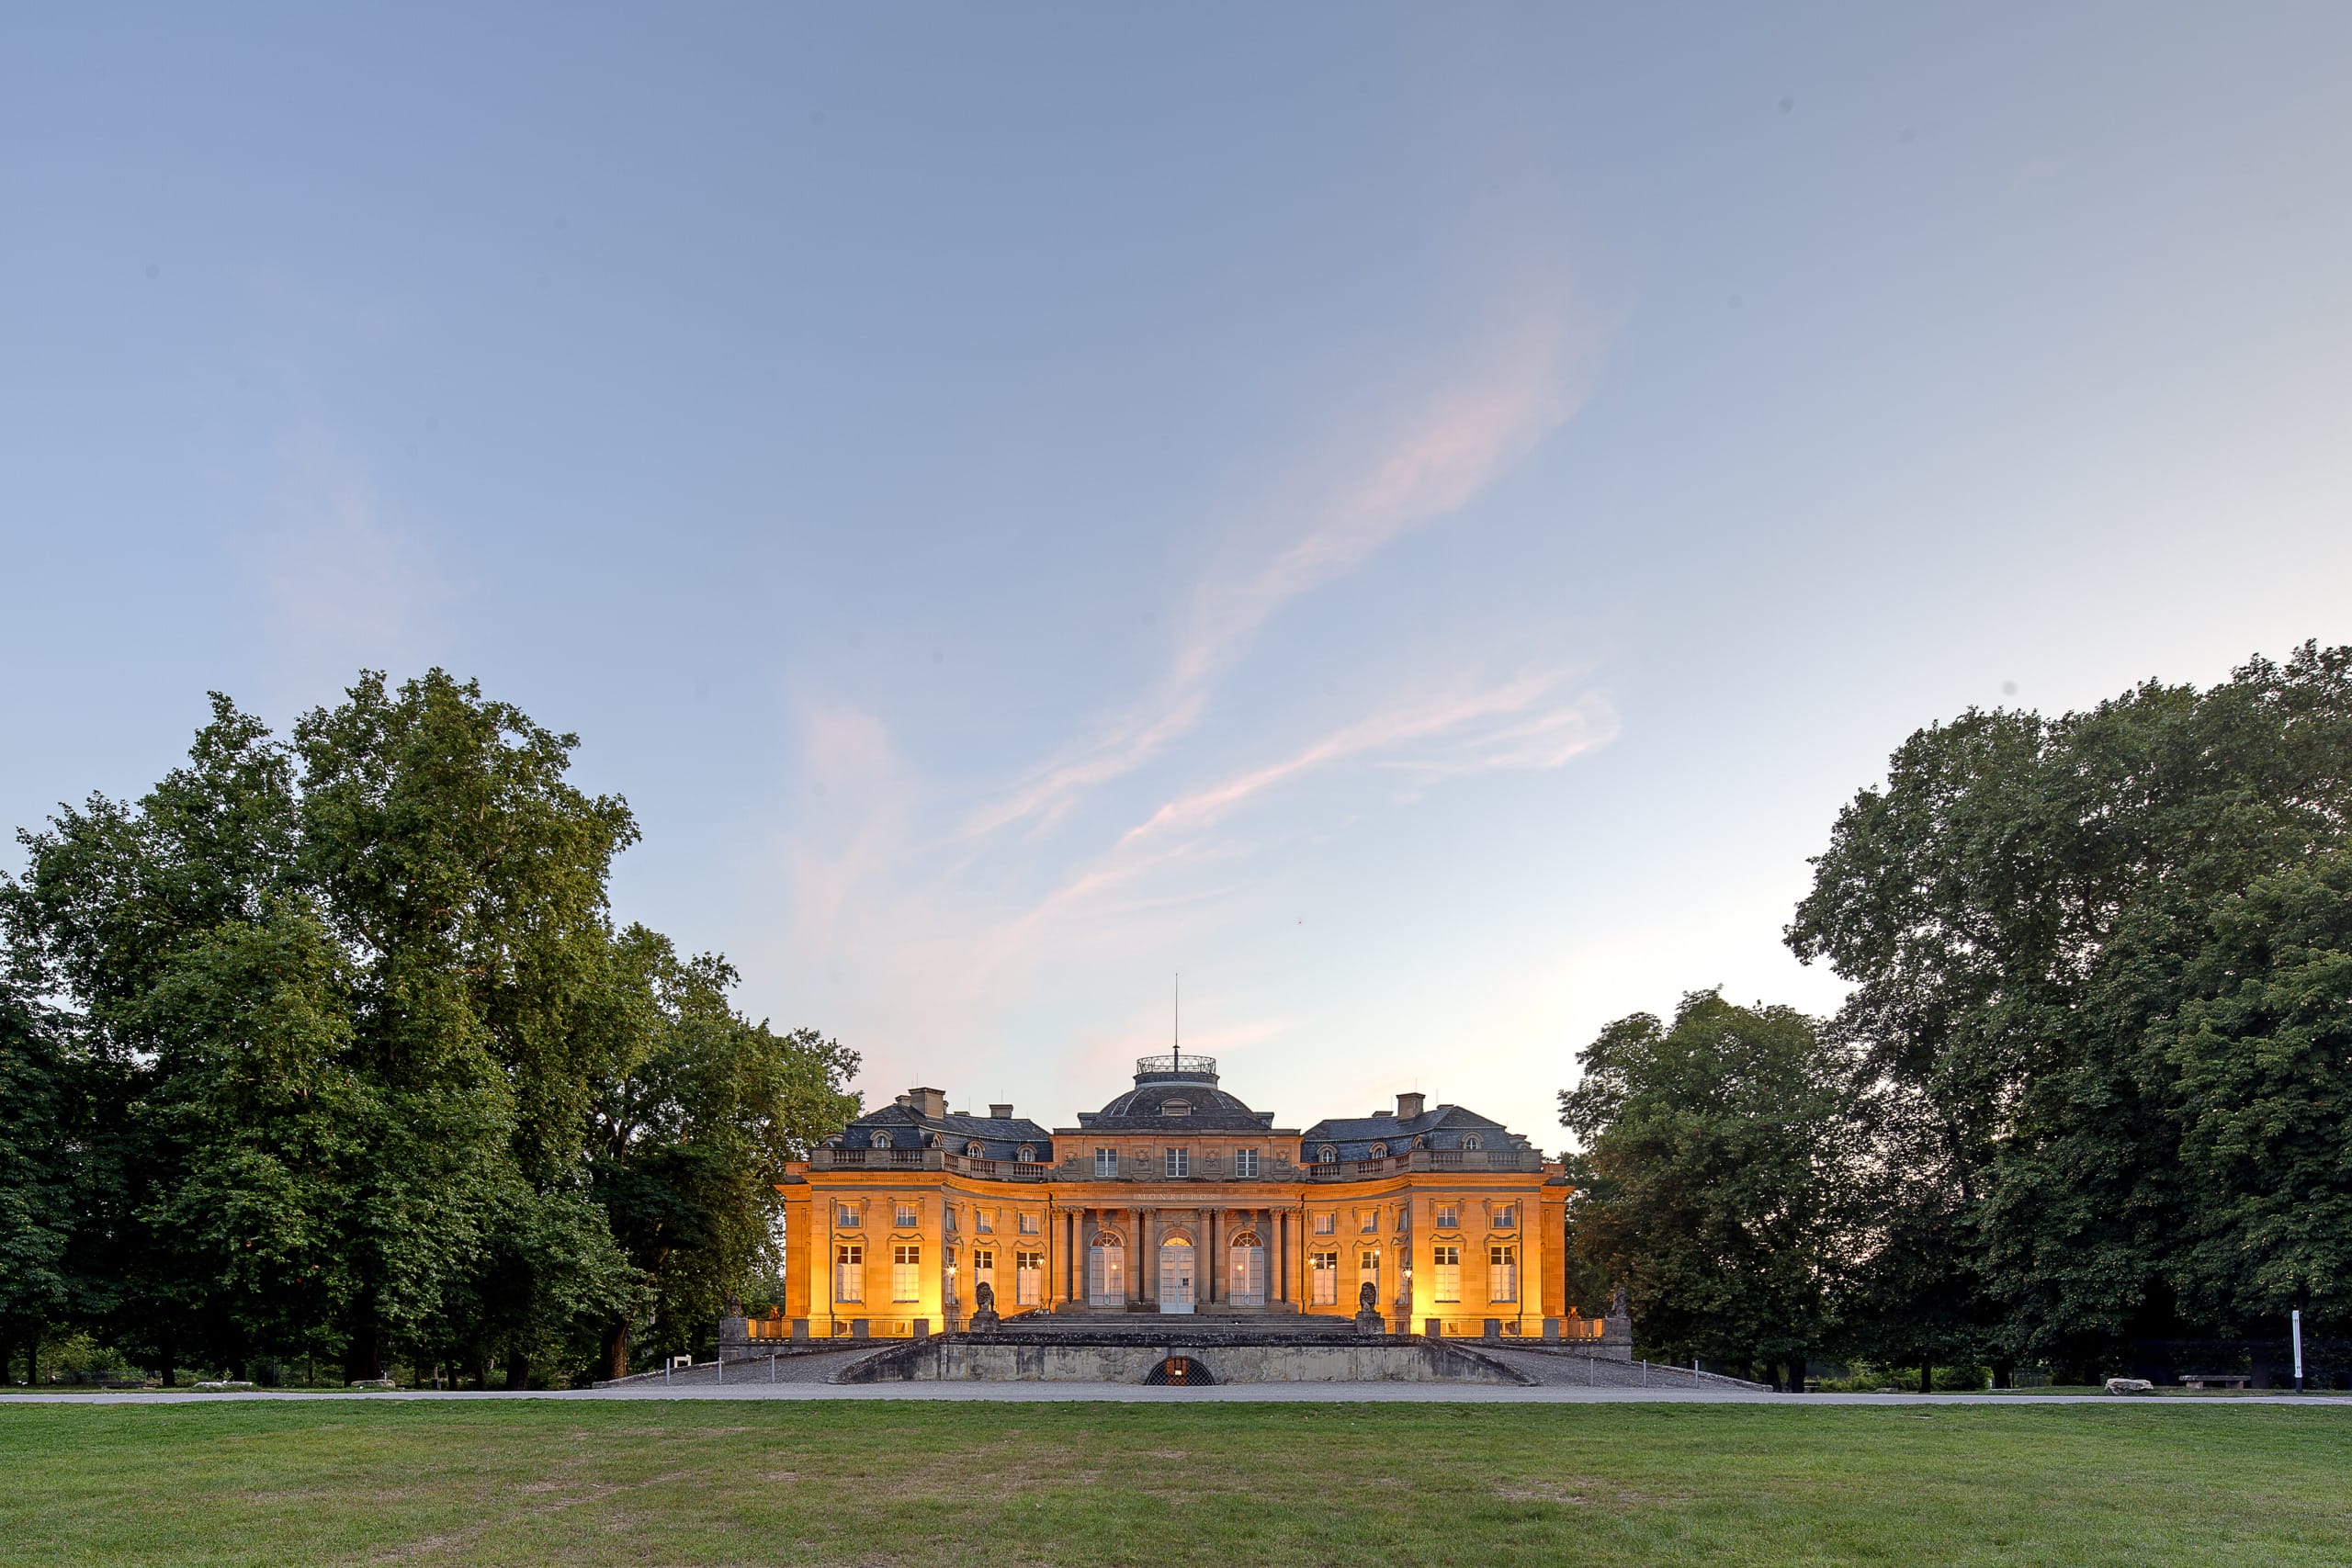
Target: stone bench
2214,1379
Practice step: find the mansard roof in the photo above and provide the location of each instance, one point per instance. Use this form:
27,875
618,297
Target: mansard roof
1001,1136
1172,1095
1439,1128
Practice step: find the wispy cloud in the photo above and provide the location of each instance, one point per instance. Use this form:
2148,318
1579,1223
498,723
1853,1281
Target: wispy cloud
1435,460
1532,721
938,921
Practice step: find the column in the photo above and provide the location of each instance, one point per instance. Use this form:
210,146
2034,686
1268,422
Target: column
1532,1301
1209,1256
1135,1258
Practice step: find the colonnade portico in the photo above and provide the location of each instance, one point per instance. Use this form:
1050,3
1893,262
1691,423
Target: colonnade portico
1139,1231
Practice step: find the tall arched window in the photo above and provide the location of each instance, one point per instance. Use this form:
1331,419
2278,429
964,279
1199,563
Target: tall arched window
1106,1270
1246,1270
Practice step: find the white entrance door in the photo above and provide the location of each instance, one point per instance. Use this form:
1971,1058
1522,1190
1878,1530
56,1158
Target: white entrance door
1247,1275
1106,1275
1176,1275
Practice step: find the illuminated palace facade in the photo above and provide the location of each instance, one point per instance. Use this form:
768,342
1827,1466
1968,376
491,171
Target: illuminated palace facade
1175,1198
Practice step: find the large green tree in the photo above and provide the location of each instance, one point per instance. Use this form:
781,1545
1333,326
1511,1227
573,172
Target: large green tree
2096,960
1722,1158
352,1022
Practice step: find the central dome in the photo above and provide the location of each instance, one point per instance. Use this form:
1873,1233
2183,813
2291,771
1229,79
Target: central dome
1174,1092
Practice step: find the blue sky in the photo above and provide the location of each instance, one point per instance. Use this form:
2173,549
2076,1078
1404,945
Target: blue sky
1415,517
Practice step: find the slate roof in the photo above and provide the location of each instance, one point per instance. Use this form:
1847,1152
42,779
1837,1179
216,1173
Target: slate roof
1000,1137
1441,1127
1207,1109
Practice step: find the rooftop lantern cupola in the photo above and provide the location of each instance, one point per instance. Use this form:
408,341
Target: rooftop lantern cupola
1175,1066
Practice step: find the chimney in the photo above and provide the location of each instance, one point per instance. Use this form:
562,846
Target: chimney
1408,1106
930,1104
1001,1112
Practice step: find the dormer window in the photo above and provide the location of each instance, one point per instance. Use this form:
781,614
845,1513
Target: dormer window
1472,1142
974,1149
1380,1151
1326,1155
881,1140
1026,1154
1176,1108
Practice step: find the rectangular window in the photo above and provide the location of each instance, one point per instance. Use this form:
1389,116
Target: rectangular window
1449,1273
849,1272
1502,1274
948,1216
986,1219
983,1270
1449,1216
1368,1222
1029,1277
1028,1224
1327,1225
1106,1165
1506,1217
1245,1162
906,1272
848,1216
1368,1271
907,1219
1179,1162
1324,1270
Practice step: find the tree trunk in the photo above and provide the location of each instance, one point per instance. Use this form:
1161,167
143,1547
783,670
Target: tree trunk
617,1351
519,1373
2001,1375
1927,1377
363,1353
481,1370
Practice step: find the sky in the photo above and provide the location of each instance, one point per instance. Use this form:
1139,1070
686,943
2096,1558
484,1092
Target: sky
1414,518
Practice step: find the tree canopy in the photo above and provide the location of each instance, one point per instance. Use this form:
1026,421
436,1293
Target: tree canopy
359,1064
2093,1071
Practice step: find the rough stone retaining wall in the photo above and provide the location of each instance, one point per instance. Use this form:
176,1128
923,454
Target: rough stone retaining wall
1075,1359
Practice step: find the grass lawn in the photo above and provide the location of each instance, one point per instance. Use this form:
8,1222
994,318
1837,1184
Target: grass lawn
1012,1485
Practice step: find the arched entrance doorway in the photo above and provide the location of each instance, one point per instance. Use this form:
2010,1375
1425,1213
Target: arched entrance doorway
1106,1270
1176,1275
1246,1270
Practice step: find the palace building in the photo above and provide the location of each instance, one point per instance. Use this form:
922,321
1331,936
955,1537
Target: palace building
1174,1198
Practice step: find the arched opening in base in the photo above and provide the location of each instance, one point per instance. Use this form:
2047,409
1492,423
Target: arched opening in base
1181,1371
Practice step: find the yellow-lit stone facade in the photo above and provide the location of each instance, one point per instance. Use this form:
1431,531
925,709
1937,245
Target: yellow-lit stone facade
1176,1198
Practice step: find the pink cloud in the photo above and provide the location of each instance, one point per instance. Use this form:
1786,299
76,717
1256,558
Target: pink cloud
1435,461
